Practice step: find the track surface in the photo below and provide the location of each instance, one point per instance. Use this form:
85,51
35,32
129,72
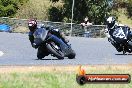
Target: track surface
18,51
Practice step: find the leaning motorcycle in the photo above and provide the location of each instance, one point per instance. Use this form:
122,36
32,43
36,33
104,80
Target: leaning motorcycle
51,44
122,38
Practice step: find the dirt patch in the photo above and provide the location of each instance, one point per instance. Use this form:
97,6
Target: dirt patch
25,69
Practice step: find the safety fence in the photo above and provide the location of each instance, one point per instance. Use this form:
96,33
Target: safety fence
77,30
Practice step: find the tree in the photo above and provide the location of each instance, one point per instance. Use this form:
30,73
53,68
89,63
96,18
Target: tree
54,0
96,10
127,4
129,9
55,14
9,7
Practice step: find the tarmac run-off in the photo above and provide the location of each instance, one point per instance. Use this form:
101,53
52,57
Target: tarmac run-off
1,53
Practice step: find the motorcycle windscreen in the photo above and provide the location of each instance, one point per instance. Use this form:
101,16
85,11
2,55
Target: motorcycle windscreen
40,35
120,35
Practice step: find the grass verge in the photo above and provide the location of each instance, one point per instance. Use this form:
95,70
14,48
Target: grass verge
56,76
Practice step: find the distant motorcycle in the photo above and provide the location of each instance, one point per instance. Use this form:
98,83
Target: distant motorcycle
52,45
122,38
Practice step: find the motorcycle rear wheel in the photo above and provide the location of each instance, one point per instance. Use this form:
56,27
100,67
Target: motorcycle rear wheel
72,55
124,51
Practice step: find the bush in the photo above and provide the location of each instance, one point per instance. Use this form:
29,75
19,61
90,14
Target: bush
129,9
10,7
55,14
34,8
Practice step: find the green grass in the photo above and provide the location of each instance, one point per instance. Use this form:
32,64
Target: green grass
56,79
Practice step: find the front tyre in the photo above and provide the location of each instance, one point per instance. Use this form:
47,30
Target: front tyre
54,49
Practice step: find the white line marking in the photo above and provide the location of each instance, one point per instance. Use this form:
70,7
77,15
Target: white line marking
1,53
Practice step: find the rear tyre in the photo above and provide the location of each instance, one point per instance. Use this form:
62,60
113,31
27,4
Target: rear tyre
72,55
53,50
124,50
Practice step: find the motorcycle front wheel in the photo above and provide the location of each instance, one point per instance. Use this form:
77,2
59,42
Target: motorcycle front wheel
55,50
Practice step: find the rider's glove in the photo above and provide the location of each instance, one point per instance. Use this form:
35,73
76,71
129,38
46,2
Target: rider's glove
34,45
67,40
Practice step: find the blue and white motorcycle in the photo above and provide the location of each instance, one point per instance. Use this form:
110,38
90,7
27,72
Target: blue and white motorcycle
122,39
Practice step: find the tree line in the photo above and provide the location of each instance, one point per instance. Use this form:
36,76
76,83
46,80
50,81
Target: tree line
96,10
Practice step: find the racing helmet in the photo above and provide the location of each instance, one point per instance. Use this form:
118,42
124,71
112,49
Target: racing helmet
110,22
32,24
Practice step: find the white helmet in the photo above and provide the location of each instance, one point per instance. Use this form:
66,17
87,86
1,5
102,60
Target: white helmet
110,22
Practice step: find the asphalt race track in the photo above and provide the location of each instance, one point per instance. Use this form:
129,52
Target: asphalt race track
16,50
